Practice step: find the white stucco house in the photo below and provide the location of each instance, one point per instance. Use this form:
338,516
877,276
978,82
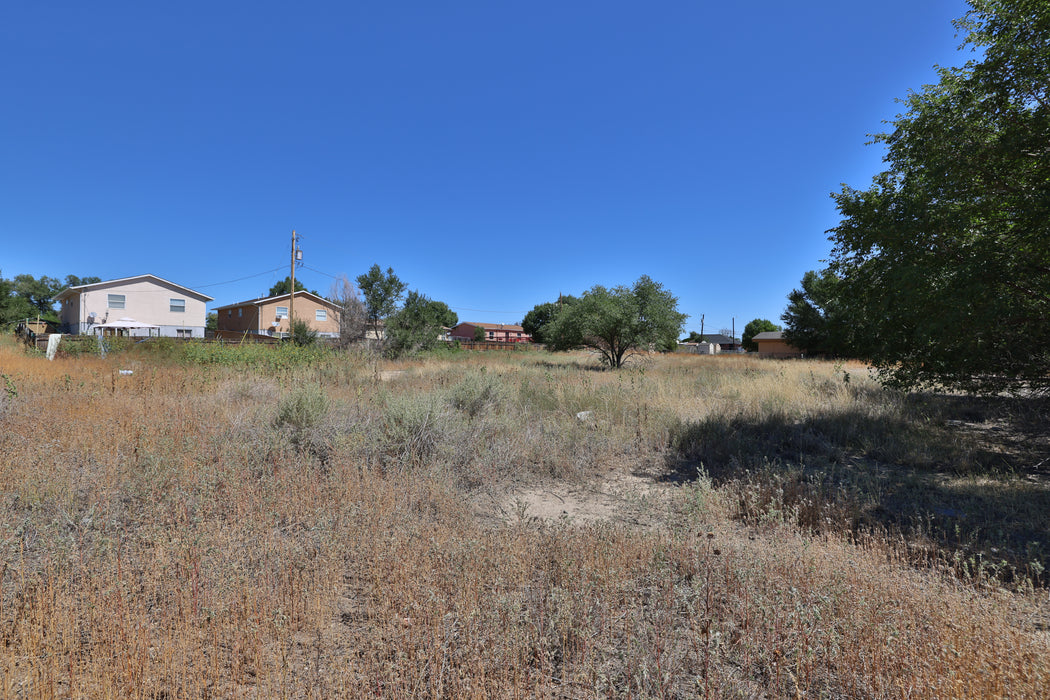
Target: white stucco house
134,303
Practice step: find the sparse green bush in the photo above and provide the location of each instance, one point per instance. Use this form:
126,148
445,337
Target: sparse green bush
410,431
303,408
302,334
477,392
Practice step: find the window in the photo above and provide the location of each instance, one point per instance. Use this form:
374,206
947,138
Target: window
240,312
115,301
282,312
229,312
321,315
183,333
177,306
491,334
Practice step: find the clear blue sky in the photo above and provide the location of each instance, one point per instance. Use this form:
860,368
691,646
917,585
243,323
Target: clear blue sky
493,153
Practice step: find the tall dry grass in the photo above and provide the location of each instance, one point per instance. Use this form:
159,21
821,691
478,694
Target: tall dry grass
309,530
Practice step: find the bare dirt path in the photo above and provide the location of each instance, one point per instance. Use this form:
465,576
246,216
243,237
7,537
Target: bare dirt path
635,499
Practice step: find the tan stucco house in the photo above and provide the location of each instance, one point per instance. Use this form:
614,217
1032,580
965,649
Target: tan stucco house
148,300
269,315
772,344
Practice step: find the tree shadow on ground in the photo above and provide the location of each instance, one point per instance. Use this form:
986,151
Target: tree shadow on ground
966,478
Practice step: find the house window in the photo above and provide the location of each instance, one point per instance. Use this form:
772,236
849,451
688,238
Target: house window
321,315
240,312
115,301
183,333
177,306
491,334
229,312
282,312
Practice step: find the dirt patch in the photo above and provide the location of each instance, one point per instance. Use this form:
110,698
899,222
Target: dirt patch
633,499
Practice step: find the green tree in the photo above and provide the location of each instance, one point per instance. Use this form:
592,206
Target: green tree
284,285
619,322
753,328
418,325
74,281
479,334
944,260
382,293
814,321
537,319
26,296
211,321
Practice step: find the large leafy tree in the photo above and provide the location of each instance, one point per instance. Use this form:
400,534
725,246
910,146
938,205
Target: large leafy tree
26,296
944,260
618,322
382,293
418,324
536,320
753,328
814,321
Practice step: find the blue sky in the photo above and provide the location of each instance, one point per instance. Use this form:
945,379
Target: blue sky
493,153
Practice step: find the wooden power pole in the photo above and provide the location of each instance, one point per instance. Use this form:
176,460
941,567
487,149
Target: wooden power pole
296,255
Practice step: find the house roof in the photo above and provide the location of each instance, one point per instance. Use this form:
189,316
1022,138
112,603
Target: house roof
80,288
279,297
769,335
719,338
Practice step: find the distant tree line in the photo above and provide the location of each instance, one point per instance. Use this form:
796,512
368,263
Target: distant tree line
30,297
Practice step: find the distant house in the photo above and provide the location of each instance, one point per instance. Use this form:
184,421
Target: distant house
137,306
494,332
270,315
712,344
772,344
723,341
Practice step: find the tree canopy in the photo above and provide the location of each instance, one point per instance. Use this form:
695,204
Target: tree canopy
618,322
26,296
418,325
542,314
944,261
753,328
285,285
382,293
814,321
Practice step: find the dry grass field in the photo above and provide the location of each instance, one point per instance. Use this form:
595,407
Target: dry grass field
277,523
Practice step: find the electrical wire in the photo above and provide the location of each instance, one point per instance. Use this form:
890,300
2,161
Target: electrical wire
314,269
457,308
239,279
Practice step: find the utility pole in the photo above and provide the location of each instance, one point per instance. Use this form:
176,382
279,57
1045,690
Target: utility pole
701,328
297,255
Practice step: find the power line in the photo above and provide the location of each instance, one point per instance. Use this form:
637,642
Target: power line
458,308
239,279
319,272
